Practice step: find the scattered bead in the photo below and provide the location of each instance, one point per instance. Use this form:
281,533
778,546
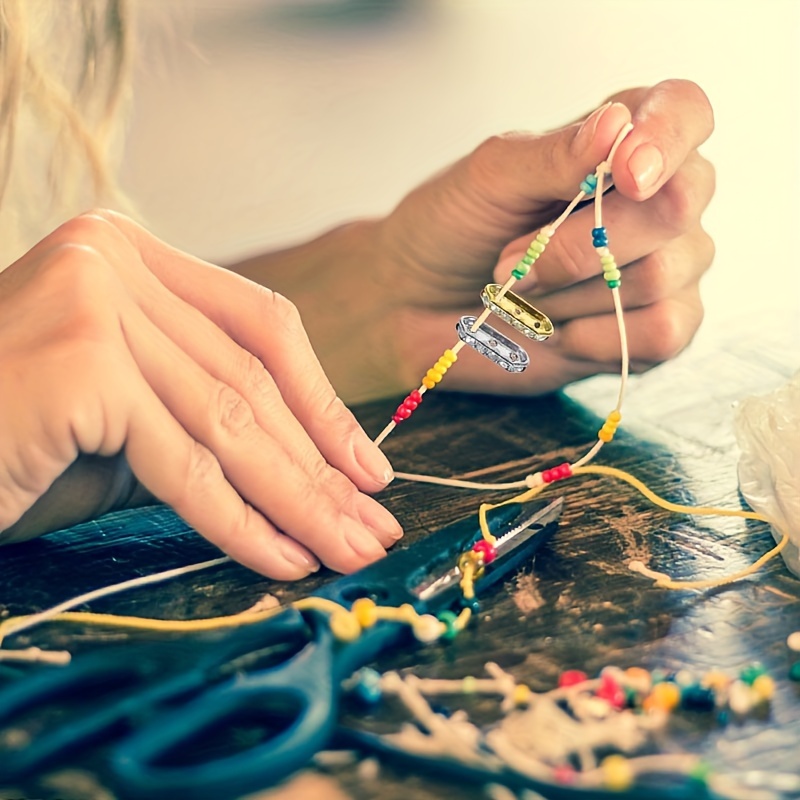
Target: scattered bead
697,698
638,679
521,695
793,642
751,672
764,688
610,691
794,671
740,698
665,696
617,773
565,774
368,687
572,677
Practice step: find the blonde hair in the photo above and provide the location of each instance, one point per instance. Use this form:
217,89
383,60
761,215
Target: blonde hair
63,82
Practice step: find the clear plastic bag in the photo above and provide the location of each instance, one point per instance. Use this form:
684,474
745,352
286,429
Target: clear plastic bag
768,432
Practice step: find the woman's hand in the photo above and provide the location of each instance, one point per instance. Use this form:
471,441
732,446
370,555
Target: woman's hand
470,225
396,287
128,369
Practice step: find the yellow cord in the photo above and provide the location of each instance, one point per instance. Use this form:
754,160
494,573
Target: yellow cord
662,579
347,624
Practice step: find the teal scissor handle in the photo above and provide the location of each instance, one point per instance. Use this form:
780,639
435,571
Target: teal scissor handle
298,700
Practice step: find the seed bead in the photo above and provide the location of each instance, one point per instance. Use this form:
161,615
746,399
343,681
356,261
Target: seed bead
364,611
617,773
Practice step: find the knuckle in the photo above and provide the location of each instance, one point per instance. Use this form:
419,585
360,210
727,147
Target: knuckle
673,327
202,470
257,384
655,277
230,411
282,311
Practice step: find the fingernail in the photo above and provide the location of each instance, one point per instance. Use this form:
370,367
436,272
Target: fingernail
298,556
587,130
646,165
372,460
363,542
377,518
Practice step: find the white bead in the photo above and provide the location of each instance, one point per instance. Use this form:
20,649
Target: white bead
740,698
428,629
793,641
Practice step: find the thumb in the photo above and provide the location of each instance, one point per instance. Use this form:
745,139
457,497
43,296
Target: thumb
527,173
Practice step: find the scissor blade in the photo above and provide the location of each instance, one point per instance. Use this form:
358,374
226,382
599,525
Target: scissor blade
513,544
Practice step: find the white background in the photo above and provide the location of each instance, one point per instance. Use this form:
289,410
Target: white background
258,123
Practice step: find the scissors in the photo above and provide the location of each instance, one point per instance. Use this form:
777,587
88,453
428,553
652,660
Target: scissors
298,699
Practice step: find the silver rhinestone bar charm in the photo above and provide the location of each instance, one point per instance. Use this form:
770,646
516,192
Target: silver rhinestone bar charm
492,344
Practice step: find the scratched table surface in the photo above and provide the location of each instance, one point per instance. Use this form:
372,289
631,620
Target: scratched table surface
578,606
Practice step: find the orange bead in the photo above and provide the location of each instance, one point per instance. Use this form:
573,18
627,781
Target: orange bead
665,696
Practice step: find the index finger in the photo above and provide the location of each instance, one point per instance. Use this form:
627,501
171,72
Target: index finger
670,120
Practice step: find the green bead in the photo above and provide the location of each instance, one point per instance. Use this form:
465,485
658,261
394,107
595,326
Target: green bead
537,246
794,672
700,772
613,284
532,254
751,672
518,273
528,260
612,274
448,619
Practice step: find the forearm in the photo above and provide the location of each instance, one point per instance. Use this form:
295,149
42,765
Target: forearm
348,307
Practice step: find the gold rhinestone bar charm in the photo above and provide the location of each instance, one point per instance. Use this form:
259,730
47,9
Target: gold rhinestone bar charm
518,313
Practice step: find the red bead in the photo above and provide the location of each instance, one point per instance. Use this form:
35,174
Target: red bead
564,773
403,412
547,476
611,691
486,550
397,419
564,471
415,396
572,677
410,404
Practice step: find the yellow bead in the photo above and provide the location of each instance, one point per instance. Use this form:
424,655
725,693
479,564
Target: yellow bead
666,696
532,254
617,773
469,684
542,238
537,247
612,275
344,626
605,436
522,695
614,416
364,611
407,613
608,259
439,368
764,688
433,375
428,383
449,354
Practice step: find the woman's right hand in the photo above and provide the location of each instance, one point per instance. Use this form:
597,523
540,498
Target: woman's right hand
129,369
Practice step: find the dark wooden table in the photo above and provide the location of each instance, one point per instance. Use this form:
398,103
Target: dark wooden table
578,607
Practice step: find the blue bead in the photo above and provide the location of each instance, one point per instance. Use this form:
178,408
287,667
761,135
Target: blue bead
601,231
586,188
697,698
368,688
591,180
472,604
